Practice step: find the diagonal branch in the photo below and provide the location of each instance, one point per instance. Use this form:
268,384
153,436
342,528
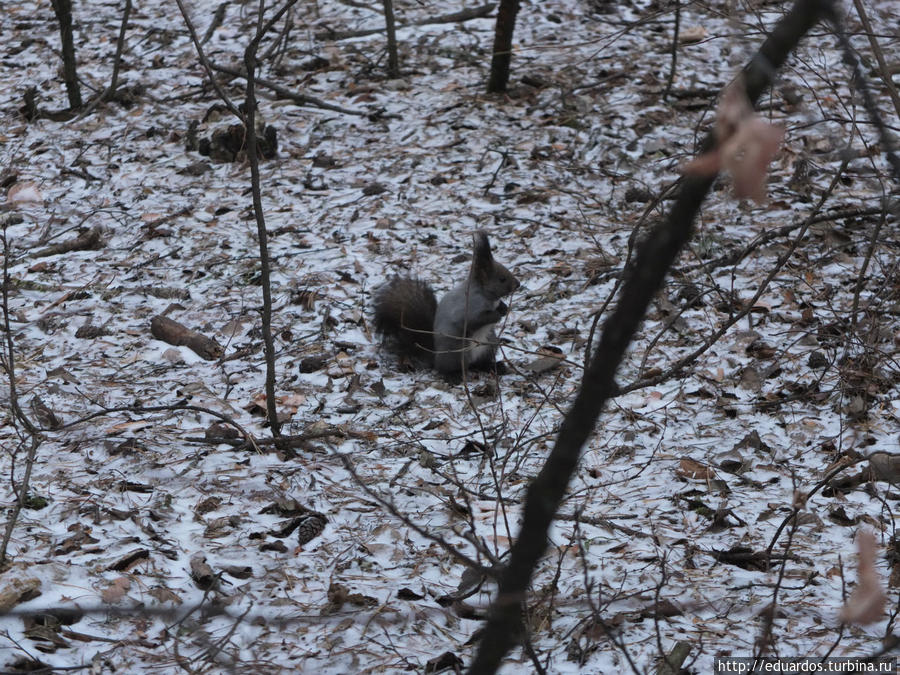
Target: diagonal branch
688,359
206,65
654,258
284,92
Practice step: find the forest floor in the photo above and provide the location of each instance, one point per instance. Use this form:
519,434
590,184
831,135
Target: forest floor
146,546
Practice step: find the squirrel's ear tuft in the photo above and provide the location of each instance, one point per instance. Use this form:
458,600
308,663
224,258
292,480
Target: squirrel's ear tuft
482,257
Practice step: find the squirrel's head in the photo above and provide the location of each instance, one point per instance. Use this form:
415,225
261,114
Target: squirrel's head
491,276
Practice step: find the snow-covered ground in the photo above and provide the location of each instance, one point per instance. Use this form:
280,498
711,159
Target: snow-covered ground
560,172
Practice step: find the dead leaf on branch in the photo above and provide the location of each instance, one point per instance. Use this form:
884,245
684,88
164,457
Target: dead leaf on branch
745,145
866,603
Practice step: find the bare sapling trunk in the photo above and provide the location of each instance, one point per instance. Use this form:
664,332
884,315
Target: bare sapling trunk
502,52
250,63
29,433
120,45
63,10
393,68
263,241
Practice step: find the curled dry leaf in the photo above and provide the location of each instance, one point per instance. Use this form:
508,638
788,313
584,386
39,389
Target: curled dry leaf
866,603
22,193
116,590
203,575
692,469
745,145
18,590
692,35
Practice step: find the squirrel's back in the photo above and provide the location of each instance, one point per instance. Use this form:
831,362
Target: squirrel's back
404,315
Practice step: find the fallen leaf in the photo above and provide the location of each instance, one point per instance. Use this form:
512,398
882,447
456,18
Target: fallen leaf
22,193
692,35
116,590
690,468
18,590
163,595
128,426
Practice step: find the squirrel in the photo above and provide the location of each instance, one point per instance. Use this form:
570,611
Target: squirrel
456,334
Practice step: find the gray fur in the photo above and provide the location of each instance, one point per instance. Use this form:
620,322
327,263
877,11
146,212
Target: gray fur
464,334
459,332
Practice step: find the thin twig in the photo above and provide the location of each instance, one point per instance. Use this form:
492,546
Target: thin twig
284,92
684,361
655,257
393,68
206,65
421,531
110,91
21,491
674,60
250,64
887,138
883,69
795,510
177,407
454,17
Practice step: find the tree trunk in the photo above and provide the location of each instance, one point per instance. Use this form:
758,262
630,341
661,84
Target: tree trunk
63,9
393,68
502,54
263,241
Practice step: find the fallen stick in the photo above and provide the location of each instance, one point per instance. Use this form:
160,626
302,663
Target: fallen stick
174,333
455,17
86,241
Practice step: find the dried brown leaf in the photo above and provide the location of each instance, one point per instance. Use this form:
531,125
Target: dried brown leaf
18,590
745,145
116,590
691,468
866,603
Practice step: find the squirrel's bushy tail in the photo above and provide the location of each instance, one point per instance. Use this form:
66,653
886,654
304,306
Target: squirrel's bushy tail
404,314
